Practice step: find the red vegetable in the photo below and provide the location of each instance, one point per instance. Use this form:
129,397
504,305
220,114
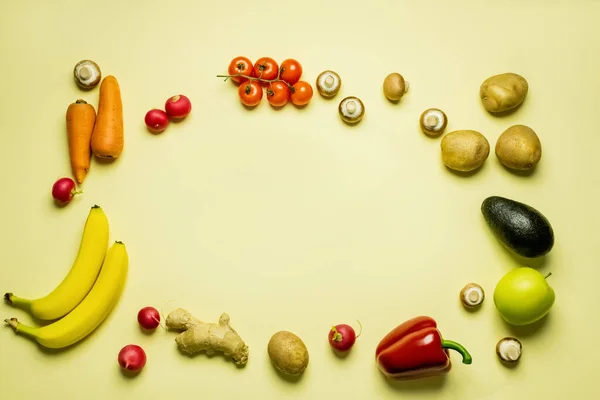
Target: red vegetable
148,317
342,337
240,65
132,358
266,68
156,120
250,93
178,107
302,92
290,71
63,190
415,349
278,94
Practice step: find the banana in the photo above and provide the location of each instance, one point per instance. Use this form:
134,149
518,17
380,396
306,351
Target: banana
91,312
81,277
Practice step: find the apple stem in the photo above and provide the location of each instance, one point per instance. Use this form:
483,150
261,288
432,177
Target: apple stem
360,328
548,275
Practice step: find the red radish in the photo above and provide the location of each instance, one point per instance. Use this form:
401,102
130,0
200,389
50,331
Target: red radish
342,337
156,120
132,358
63,190
148,318
178,107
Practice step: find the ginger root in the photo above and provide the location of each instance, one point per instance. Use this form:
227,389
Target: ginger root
200,336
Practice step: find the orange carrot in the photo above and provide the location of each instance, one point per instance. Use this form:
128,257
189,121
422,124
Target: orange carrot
107,138
81,117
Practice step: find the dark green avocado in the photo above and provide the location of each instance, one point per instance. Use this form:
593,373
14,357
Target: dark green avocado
518,226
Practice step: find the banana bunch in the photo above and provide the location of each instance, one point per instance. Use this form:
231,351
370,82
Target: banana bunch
85,297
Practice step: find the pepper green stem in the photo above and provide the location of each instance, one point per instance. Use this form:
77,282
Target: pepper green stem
466,357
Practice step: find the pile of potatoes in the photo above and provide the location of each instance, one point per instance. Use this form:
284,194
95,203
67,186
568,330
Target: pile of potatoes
517,148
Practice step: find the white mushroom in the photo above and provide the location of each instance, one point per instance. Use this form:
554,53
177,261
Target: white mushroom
87,74
509,349
328,83
433,122
351,110
472,295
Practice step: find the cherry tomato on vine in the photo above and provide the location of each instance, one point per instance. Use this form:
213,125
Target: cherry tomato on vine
302,92
291,71
266,68
278,94
250,93
240,65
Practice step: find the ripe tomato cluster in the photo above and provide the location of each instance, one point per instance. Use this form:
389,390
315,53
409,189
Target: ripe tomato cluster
281,83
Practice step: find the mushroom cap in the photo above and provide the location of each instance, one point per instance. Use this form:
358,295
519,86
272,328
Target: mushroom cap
351,109
394,86
433,121
509,350
472,295
87,74
328,83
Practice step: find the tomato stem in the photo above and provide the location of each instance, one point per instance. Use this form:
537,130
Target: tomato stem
252,78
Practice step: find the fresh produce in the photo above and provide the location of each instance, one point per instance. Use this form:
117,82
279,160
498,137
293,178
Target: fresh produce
132,358
92,310
108,136
328,84
509,350
523,296
288,353
80,121
342,337
503,92
266,69
433,122
64,190
415,349
472,295
281,83
198,336
148,318
290,71
278,94
518,226
394,86
178,107
518,147
80,278
464,150
250,93
87,74
240,66
156,120
351,110
302,92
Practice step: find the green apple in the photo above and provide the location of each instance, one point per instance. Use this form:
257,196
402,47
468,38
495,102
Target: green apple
523,296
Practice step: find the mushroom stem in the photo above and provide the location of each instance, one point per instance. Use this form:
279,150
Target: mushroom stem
432,121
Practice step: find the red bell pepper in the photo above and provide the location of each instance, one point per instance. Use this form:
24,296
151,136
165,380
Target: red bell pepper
415,349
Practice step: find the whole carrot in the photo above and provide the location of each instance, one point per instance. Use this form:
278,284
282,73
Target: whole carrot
107,138
81,118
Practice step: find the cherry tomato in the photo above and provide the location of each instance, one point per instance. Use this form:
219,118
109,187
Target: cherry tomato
266,68
291,71
240,65
278,94
250,93
302,92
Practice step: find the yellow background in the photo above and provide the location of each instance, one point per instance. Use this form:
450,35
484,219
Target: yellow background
290,219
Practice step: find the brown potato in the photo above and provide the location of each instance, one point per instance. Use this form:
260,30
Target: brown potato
518,147
503,92
288,353
464,150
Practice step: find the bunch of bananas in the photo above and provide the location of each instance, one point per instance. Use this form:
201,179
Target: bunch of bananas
85,297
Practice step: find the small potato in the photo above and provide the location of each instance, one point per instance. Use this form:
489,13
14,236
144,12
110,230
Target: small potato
518,147
503,92
464,150
288,353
